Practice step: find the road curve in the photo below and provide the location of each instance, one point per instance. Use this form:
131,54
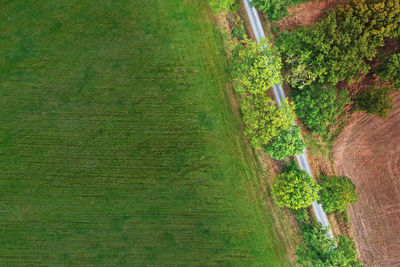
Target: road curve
302,160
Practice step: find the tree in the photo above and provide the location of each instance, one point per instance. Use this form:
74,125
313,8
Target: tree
391,70
319,249
380,18
337,192
337,47
318,107
255,67
294,189
264,120
375,100
288,143
220,5
330,51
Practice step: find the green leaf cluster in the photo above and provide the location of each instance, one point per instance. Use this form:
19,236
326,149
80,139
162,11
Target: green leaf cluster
318,107
337,192
264,120
287,143
375,100
318,249
221,5
294,189
336,48
255,67
391,70
275,9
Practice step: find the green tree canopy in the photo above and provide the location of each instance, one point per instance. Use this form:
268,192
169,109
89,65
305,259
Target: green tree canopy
336,48
218,5
319,249
255,67
264,120
294,189
375,100
337,192
391,70
275,9
318,107
287,143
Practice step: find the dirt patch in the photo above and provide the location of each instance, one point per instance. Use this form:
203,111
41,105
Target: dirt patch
307,13
368,151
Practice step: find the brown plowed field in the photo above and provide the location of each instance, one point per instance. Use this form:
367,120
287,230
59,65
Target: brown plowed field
306,13
368,151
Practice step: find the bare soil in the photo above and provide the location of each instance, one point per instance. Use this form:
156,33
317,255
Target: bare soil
368,151
307,13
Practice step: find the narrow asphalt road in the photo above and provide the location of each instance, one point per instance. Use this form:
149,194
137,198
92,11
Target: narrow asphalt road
302,160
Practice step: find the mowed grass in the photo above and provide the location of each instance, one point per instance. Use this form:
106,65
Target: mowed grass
118,142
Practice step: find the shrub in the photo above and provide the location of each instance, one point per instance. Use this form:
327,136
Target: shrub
255,67
391,70
337,192
238,31
288,143
375,100
220,5
343,217
318,249
264,120
294,189
275,9
318,107
300,215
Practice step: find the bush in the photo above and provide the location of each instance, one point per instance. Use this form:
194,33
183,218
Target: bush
288,143
337,192
294,189
238,31
375,100
318,249
255,67
275,9
221,5
301,215
391,70
264,120
318,107
343,216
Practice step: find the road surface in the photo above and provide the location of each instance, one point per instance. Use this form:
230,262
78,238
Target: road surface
302,160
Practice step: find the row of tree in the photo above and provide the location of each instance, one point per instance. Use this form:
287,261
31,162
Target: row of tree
296,190
339,48
336,48
255,69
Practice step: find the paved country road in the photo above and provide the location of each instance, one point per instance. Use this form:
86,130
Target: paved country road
302,160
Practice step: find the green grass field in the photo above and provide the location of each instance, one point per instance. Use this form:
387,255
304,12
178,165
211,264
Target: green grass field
118,142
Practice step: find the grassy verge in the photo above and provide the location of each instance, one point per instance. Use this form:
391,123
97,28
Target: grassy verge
119,143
